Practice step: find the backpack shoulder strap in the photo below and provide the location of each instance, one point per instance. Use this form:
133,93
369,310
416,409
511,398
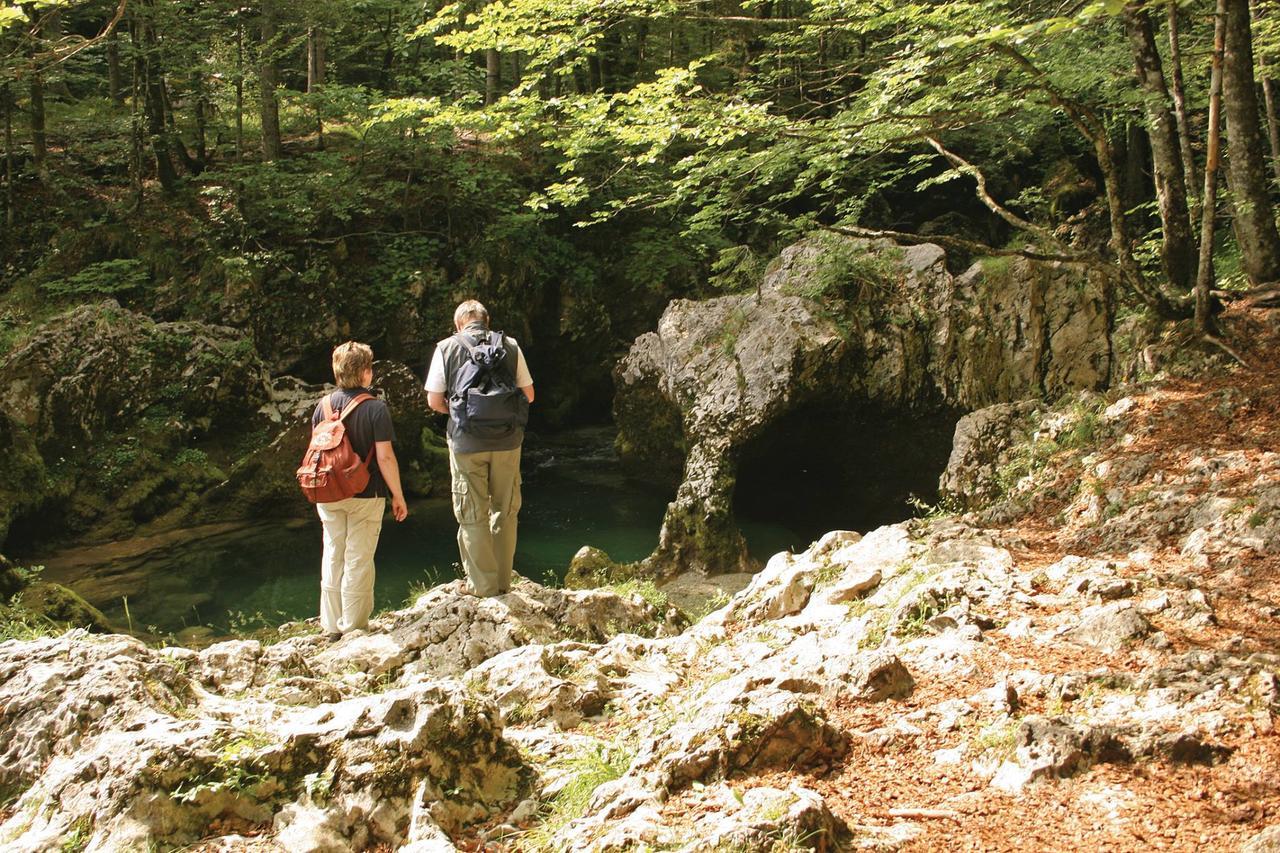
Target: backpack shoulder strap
326,406
355,401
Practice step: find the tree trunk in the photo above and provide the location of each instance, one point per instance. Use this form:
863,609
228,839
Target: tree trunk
269,76
1269,103
1204,275
239,87
135,117
1180,114
1177,249
492,75
1136,190
39,137
202,112
1246,166
155,109
315,75
115,85
9,196
315,58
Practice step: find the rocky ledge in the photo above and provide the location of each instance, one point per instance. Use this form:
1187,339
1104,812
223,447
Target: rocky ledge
1086,659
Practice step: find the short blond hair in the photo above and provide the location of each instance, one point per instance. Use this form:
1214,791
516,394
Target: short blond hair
471,309
350,361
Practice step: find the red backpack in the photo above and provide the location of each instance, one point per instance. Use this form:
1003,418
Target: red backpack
331,470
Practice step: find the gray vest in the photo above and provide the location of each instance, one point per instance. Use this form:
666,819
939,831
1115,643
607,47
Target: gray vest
454,355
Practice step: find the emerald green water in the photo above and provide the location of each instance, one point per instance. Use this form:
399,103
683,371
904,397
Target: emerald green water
246,576
574,495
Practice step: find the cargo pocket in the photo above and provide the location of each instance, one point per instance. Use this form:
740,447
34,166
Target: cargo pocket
464,503
516,499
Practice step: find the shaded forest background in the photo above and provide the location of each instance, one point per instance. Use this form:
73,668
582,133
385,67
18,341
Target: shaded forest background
313,172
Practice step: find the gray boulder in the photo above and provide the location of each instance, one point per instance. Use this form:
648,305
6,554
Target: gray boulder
845,322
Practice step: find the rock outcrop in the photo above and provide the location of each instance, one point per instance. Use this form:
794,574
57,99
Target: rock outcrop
863,325
102,401
112,421
929,681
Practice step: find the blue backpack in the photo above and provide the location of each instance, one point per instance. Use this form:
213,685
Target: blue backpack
486,402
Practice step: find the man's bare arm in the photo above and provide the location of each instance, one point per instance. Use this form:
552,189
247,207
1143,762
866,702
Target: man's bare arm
528,392
390,469
437,402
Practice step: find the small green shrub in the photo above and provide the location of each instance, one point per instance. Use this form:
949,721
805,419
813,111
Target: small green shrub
105,278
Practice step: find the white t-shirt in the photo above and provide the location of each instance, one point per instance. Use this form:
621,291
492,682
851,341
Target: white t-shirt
438,383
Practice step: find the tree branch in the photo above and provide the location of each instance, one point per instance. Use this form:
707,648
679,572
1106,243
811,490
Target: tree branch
964,245
965,167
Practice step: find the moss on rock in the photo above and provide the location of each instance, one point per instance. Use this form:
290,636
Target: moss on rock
63,606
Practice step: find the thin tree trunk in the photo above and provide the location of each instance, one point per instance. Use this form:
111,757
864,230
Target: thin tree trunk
202,112
1177,249
1273,125
1136,190
492,75
135,118
1204,275
239,87
9,196
1180,114
39,135
1246,164
269,76
154,102
315,75
114,84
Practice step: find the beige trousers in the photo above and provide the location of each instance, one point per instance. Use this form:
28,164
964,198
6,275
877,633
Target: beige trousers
351,529
486,501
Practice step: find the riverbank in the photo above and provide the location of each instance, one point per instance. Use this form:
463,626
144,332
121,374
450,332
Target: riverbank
1084,660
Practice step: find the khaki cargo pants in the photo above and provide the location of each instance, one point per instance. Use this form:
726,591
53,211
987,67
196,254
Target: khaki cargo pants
486,501
351,529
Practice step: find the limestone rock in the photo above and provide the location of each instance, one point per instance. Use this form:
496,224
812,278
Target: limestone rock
719,372
1109,627
99,366
1267,841
981,448
765,815
878,676
117,737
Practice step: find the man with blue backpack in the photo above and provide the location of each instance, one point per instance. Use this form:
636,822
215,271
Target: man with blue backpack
480,380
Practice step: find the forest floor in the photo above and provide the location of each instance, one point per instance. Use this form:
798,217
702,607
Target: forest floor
1146,804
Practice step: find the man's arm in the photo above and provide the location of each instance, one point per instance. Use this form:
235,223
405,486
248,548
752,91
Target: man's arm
528,392
390,469
437,402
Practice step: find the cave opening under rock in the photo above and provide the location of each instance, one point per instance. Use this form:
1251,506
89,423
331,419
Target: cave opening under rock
823,468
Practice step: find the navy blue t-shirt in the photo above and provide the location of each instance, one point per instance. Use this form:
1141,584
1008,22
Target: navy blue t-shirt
370,422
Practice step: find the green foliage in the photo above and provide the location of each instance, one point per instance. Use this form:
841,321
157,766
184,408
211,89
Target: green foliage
732,328
235,767
77,836
19,623
105,278
589,768
998,740
850,271
738,269
645,588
